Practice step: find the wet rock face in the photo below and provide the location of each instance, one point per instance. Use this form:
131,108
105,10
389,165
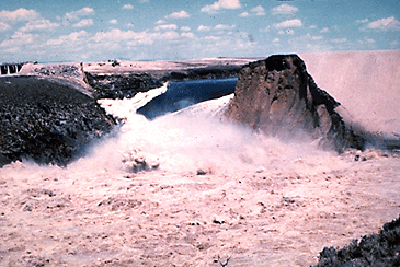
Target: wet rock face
47,122
279,97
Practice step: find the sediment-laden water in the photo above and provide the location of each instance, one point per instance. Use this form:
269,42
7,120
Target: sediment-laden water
218,190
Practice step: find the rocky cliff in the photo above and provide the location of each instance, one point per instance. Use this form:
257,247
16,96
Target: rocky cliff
280,98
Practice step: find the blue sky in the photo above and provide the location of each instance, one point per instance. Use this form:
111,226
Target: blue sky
87,30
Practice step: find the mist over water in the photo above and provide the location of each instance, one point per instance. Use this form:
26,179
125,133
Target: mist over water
197,139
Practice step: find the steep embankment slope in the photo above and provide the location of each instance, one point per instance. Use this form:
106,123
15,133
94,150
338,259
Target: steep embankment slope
366,83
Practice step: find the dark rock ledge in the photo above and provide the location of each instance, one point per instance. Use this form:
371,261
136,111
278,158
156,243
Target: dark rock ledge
47,122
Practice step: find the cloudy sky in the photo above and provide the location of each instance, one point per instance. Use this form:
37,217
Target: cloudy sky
88,30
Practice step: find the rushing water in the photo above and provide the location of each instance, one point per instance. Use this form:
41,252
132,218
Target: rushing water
181,94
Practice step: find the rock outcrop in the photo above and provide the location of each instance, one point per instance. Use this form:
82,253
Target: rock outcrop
118,86
47,122
380,249
280,98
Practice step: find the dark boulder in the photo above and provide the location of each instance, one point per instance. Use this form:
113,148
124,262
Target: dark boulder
278,97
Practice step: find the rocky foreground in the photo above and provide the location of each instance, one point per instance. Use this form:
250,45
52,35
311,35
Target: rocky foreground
47,122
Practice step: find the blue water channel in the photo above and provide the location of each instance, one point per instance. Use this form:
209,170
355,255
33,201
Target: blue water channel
181,94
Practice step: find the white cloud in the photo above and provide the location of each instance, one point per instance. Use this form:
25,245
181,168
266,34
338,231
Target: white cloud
185,29
84,23
284,9
41,25
177,15
324,30
160,21
244,14
70,39
395,43
290,32
131,25
166,27
76,15
19,15
389,23
221,4
367,41
212,38
4,27
318,37
187,34
339,40
312,37
313,26
128,6
203,28
131,38
113,35
113,21
266,29
370,40
19,39
169,35
258,10
289,23
275,41
362,21
308,42
224,27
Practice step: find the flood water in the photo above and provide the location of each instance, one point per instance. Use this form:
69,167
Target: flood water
181,94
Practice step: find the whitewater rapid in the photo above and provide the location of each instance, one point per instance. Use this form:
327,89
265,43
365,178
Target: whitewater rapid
196,138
